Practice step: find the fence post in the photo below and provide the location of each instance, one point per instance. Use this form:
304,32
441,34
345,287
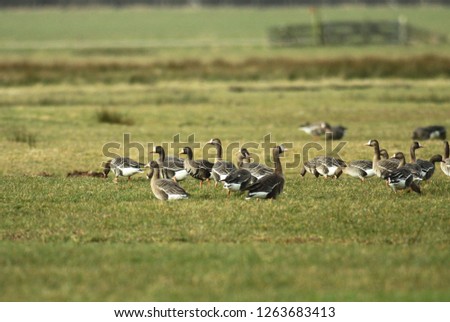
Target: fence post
402,30
316,27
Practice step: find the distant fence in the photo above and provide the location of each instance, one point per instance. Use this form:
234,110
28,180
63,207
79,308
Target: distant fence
351,33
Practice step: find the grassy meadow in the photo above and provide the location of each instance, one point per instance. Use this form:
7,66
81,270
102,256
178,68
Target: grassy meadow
67,90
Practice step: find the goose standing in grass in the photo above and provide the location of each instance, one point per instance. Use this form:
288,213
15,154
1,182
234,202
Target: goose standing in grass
164,189
360,169
413,167
122,167
198,169
309,166
445,165
239,178
382,167
329,166
401,179
171,167
270,186
428,166
221,168
257,170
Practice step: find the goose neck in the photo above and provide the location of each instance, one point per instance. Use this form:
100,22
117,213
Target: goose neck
276,160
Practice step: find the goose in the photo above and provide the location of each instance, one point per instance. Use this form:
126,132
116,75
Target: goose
329,166
309,166
239,178
315,129
164,189
384,154
257,170
269,186
122,167
221,168
429,132
401,179
334,132
385,166
428,166
359,169
198,169
171,167
413,167
445,165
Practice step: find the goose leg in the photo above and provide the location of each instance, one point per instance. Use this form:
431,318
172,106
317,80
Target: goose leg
228,194
115,179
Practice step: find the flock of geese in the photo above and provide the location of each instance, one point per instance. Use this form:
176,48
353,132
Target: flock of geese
263,182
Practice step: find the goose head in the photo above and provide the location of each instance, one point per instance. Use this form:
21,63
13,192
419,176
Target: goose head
157,149
244,152
154,166
416,145
399,155
279,149
215,141
373,143
384,154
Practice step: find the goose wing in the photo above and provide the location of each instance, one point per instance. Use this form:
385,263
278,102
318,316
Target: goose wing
170,188
257,170
223,168
267,187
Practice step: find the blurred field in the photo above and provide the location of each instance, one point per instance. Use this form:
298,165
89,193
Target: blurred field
87,239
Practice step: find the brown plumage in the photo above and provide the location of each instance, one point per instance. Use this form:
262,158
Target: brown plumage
270,186
198,169
164,189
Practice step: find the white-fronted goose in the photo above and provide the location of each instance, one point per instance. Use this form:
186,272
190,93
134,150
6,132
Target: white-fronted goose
445,165
239,178
122,167
382,167
329,166
413,167
270,186
384,155
171,167
164,189
430,132
360,169
258,170
334,132
428,166
198,169
314,129
401,179
309,166
221,168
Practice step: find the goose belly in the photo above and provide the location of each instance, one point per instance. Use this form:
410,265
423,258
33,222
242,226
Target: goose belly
177,196
181,175
232,186
258,194
127,172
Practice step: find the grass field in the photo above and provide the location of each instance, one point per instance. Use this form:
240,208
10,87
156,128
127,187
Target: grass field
87,239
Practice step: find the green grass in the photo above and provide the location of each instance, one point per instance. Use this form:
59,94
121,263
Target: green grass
87,239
